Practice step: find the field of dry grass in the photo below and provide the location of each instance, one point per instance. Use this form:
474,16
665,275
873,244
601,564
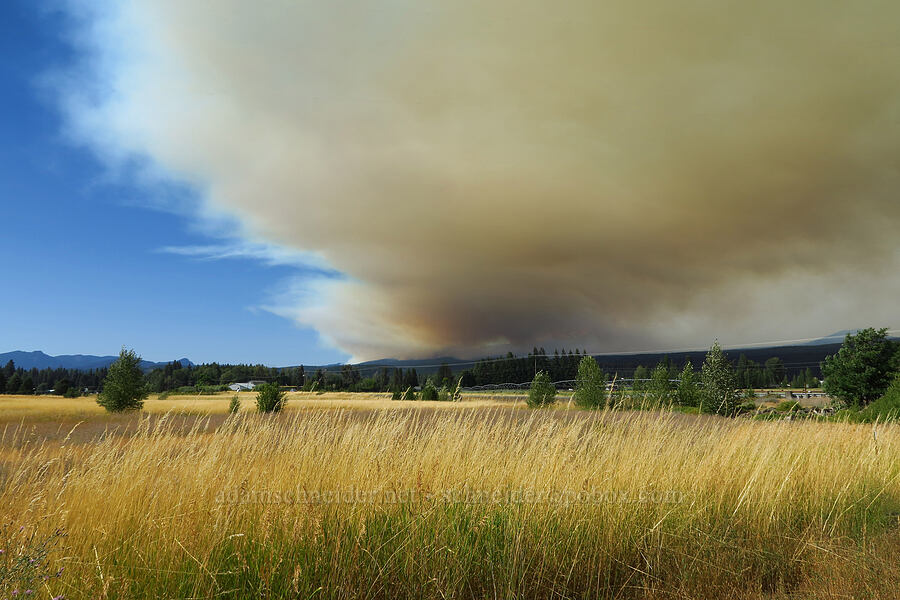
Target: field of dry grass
357,496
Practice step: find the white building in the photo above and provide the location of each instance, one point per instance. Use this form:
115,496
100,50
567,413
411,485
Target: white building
244,387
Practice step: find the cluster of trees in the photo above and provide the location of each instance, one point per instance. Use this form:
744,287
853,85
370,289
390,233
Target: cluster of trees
865,368
563,366
559,366
126,387
175,376
748,374
714,391
63,382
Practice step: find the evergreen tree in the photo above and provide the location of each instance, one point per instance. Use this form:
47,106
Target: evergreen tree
590,385
660,388
27,386
269,398
429,391
687,393
641,375
542,392
774,372
444,375
719,394
13,383
2,383
124,387
411,379
61,387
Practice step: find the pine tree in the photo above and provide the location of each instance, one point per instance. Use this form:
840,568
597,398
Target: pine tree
660,388
641,375
590,384
719,394
444,375
13,383
124,387
542,392
687,392
27,386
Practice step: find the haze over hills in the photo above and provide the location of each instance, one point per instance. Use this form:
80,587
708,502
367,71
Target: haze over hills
82,362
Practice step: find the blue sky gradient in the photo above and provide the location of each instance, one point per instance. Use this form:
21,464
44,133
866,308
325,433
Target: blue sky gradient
85,271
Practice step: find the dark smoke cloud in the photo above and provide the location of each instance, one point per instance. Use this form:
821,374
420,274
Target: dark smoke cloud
498,174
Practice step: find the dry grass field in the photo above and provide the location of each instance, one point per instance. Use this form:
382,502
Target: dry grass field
357,496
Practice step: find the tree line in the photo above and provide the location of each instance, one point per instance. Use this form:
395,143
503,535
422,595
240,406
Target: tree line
63,382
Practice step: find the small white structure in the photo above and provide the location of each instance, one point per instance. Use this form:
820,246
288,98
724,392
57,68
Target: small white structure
244,387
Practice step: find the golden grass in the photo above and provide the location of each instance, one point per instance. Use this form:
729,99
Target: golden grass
30,408
470,500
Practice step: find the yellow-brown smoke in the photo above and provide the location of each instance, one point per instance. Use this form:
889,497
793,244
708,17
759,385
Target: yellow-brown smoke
503,173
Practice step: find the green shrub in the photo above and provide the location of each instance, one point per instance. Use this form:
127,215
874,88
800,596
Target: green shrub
590,384
788,406
269,398
235,405
542,392
886,408
747,406
429,392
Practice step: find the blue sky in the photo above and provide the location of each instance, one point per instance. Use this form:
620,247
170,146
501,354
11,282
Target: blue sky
84,271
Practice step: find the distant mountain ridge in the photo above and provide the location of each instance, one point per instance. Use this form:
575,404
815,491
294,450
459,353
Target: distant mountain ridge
80,362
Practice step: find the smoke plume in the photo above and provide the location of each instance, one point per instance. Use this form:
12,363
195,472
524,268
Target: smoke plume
497,174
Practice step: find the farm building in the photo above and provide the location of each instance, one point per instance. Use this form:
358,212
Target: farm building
241,387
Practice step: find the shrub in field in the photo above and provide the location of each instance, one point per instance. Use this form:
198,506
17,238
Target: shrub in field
235,405
590,384
787,406
862,369
269,398
719,394
747,406
124,387
429,392
542,392
886,408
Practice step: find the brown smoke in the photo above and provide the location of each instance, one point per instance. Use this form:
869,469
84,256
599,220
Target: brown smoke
499,174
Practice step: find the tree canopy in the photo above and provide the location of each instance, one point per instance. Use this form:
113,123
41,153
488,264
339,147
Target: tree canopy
124,387
863,368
